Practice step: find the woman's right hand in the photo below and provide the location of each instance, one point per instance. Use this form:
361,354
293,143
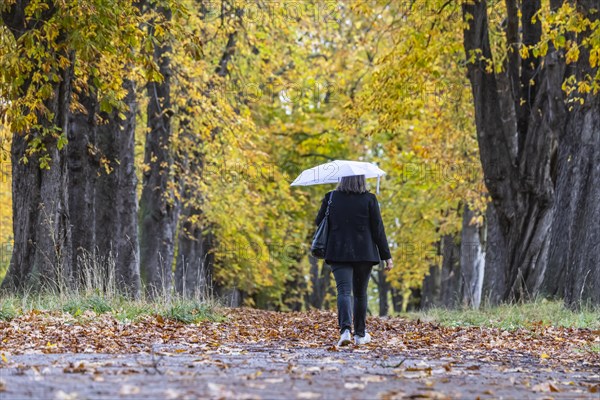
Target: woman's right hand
388,264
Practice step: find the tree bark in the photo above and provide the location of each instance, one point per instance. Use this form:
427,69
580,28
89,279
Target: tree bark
116,197
444,284
83,166
516,161
295,295
494,280
432,287
472,260
318,277
582,265
42,251
192,269
194,263
397,301
329,284
540,161
41,256
102,195
192,278
574,261
383,289
158,206
451,280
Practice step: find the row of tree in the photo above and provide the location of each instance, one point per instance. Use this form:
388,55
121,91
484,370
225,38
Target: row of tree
160,149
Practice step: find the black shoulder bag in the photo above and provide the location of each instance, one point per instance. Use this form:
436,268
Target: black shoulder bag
319,243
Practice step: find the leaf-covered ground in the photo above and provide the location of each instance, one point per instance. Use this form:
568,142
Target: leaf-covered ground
262,354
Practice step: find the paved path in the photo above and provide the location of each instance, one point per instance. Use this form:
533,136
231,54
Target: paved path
255,354
252,372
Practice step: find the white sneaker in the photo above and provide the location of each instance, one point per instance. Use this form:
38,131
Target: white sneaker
345,339
362,340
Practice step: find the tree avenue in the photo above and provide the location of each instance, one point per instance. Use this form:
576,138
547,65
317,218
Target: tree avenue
151,144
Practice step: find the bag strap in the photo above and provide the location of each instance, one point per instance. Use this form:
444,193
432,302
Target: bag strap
328,203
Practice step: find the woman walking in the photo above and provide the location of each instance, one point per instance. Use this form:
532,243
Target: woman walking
356,242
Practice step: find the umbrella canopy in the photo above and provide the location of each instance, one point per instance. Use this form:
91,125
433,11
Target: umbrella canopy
333,171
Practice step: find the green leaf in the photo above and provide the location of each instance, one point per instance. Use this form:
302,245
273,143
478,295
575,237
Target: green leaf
62,141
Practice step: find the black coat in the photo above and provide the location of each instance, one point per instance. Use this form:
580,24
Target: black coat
356,231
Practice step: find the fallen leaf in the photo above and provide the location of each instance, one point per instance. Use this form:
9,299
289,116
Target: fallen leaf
128,390
373,378
273,380
308,395
393,395
171,394
545,387
254,375
553,388
219,391
354,385
429,395
60,395
72,369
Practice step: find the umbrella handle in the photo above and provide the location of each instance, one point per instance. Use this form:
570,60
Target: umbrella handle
378,184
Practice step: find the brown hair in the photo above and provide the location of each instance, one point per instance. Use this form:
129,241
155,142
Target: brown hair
352,184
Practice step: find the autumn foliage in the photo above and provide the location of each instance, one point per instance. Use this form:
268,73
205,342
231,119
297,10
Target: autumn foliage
257,92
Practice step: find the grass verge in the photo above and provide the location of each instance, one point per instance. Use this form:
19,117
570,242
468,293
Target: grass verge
513,316
123,309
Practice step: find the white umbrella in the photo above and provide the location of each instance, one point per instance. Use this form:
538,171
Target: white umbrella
333,171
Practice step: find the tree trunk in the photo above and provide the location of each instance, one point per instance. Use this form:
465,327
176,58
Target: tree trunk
494,280
540,161
397,301
444,284
42,251
574,256
83,167
116,198
295,295
517,143
318,277
102,195
431,290
41,256
472,260
128,249
383,290
582,266
191,270
192,276
329,287
194,263
574,261
158,207
230,296
451,281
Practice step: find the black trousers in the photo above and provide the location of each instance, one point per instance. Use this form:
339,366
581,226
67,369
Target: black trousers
352,278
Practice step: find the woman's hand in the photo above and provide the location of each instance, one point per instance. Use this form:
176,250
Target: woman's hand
388,264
